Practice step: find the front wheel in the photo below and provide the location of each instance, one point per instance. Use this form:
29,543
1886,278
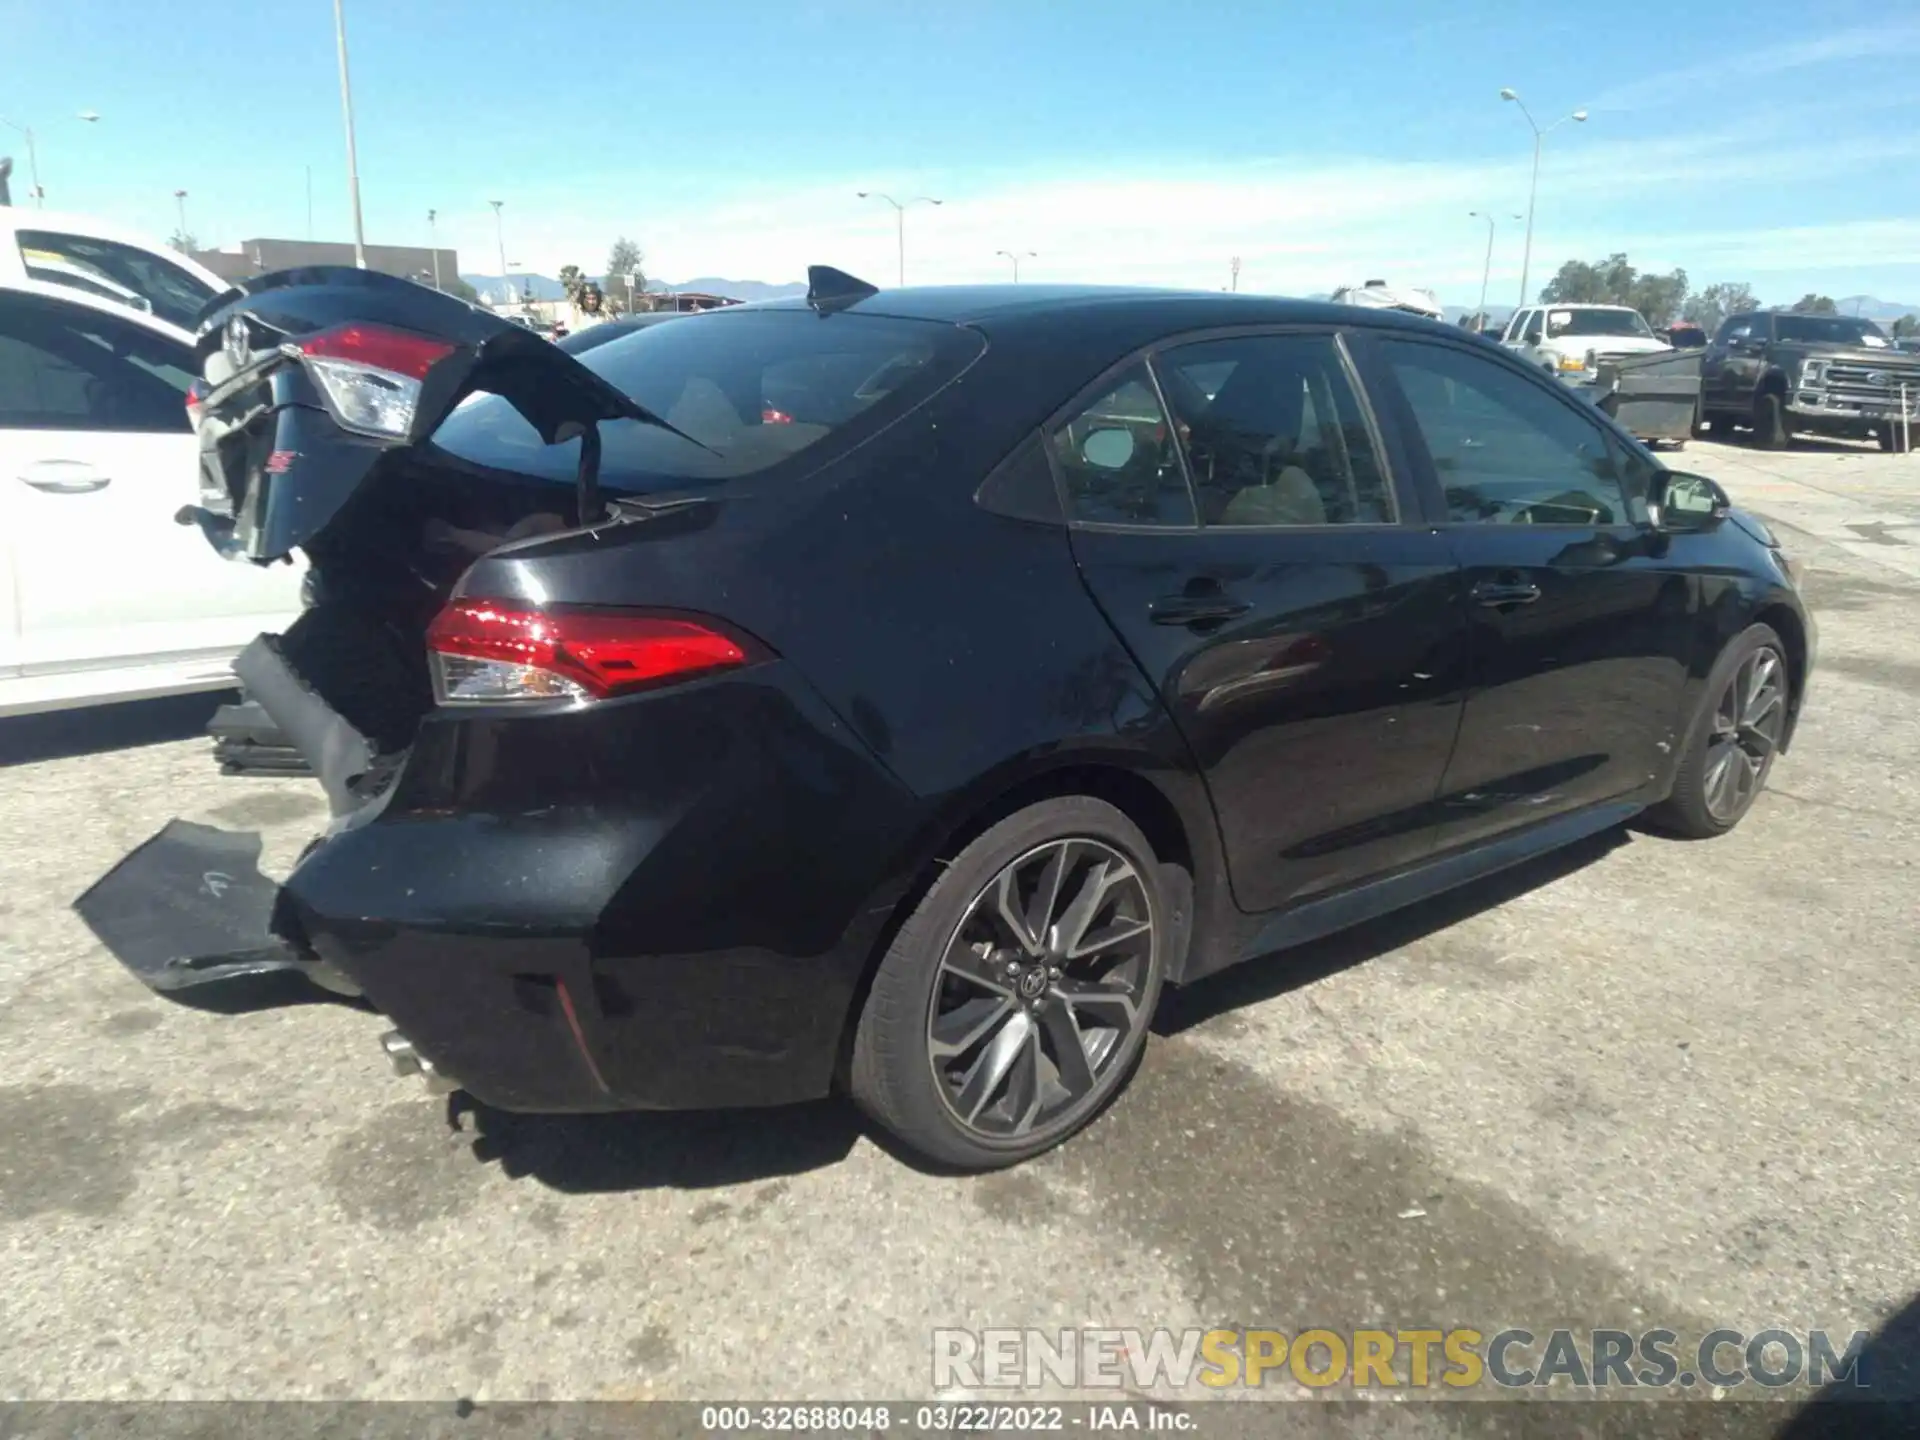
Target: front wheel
1014,1002
1770,421
1734,739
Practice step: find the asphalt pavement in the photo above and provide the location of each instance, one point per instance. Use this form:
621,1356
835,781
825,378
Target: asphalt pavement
1645,1083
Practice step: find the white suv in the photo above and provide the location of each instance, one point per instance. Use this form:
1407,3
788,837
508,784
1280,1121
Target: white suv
1570,340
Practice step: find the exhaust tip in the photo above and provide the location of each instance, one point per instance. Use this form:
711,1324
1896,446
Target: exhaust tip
400,1053
408,1061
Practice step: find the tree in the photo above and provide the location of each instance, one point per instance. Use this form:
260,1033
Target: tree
1713,305
571,280
1811,304
1614,281
624,260
184,241
460,290
1906,327
1659,298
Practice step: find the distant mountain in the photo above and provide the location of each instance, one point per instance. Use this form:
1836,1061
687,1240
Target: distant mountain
1871,309
732,289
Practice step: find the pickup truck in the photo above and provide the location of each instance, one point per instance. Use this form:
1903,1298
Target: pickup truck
1569,341
1781,373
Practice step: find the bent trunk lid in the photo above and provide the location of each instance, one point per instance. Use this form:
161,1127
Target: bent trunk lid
278,462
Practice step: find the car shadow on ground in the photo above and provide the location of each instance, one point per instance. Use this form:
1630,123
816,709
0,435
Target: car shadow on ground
92,729
693,1150
646,1150
1880,1401
1270,976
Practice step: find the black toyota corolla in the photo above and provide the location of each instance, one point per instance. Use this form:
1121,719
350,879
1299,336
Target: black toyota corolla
893,691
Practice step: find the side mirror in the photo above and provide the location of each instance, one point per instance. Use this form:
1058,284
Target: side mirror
1681,502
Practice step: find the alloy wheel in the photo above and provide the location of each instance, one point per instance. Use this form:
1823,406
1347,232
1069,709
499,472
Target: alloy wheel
1039,991
1747,721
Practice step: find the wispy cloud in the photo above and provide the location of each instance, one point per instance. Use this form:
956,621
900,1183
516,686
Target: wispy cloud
1683,84
1298,225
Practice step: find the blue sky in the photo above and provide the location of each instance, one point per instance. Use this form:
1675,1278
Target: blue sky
1122,141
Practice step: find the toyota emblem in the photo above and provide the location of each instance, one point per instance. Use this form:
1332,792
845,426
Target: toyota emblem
237,342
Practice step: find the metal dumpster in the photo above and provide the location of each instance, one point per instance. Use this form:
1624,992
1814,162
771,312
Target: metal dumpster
1656,397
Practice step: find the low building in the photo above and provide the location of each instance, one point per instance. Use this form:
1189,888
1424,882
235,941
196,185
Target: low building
258,257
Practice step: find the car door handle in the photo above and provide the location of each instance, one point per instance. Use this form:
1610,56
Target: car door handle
64,477
1495,593
1207,609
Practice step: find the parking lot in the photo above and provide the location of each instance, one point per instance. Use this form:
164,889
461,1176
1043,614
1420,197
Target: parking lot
1644,1083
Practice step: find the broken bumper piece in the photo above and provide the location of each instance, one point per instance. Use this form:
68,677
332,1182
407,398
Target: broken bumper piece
246,741
189,909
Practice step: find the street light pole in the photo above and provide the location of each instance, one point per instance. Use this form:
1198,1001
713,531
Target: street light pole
180,199
500,234
899,220
433,243
33,162
1016,258
1526,260
33,158
353,159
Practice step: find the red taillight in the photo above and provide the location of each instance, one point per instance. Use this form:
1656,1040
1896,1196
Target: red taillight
486,653
395,351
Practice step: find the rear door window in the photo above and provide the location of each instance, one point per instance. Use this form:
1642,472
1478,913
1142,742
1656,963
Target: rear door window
1118,459
130,274
1274,432
747,391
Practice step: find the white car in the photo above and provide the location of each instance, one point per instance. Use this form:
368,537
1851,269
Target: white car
48,253
102,595
1570,340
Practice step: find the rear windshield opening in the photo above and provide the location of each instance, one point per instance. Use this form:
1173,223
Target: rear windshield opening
754,388
1596,322
1830,330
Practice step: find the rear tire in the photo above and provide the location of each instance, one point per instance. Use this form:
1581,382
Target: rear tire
1050,930
1770,421
1892,439
1732,742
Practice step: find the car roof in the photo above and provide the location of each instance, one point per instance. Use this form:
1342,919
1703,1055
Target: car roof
67,295
996,307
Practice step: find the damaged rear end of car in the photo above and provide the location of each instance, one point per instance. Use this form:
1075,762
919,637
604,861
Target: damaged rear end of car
557,762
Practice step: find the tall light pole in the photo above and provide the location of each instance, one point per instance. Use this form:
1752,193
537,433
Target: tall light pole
500,234
433,243
33,159
1526,260
353,158
1486,270
1016,257
899,220
180,199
